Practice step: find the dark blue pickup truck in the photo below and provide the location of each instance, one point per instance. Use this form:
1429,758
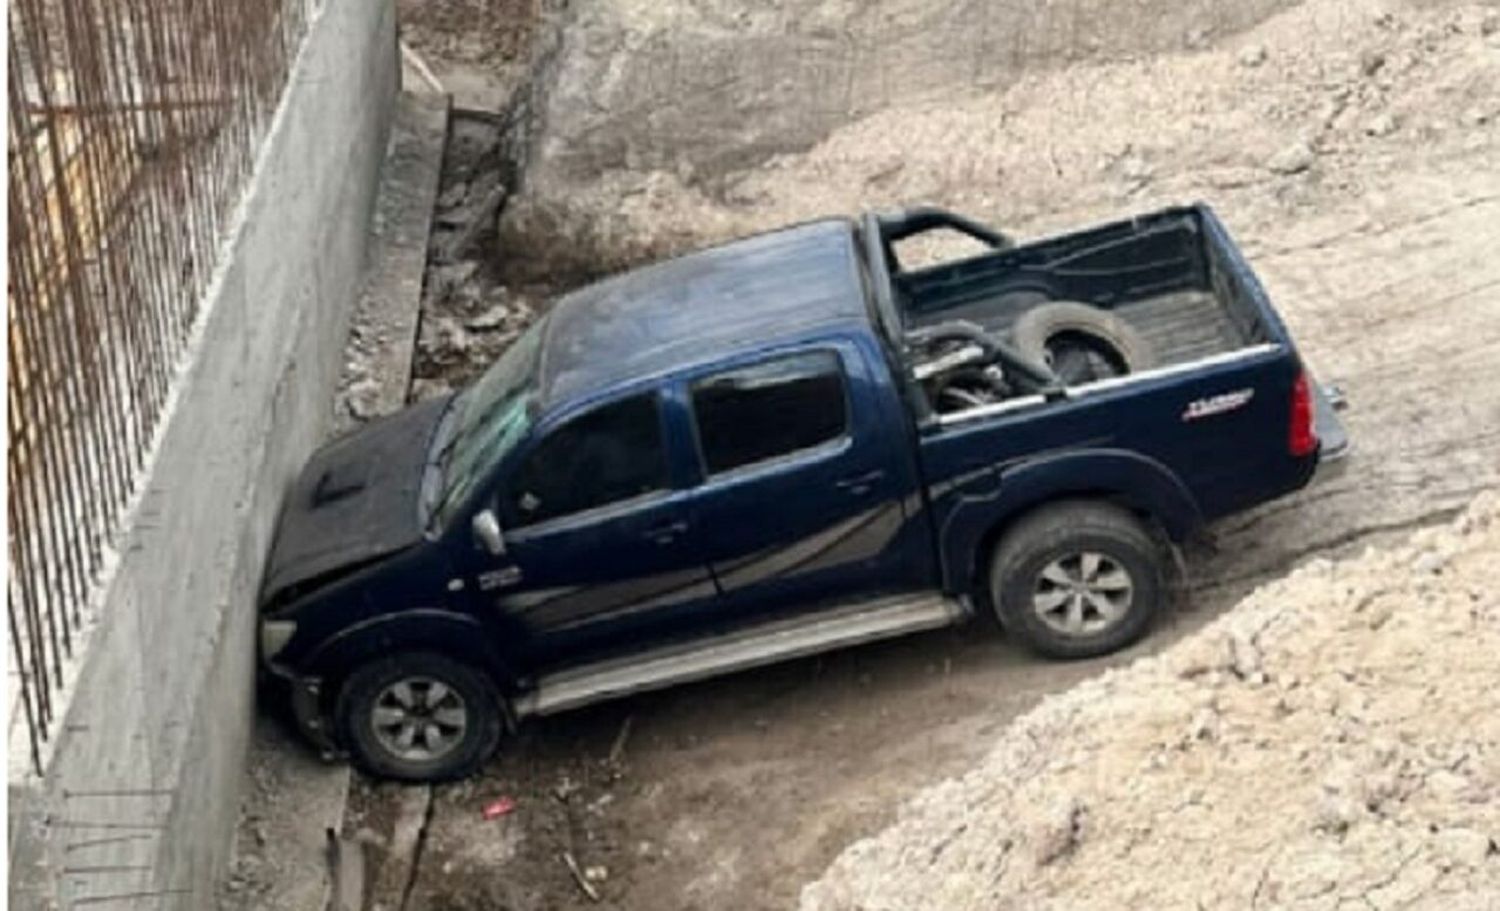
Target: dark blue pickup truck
779,446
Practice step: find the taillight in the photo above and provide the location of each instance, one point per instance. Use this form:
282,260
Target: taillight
1302,438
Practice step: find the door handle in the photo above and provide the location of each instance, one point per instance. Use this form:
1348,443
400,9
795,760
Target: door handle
665,534
859,485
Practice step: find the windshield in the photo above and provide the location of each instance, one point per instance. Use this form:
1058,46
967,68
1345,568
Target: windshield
484,422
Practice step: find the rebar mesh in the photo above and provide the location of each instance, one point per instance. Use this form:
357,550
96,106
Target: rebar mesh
133,127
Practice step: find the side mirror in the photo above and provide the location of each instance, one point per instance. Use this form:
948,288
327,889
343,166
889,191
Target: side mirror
487,532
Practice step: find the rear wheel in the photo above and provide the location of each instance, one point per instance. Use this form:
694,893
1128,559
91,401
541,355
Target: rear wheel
419,716
1078,579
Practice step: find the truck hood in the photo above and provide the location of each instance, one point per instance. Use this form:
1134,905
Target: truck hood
355,501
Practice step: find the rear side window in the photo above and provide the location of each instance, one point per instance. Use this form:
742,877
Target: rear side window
774,409
610,454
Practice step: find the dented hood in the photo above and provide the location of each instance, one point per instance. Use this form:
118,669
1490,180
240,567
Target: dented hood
356,501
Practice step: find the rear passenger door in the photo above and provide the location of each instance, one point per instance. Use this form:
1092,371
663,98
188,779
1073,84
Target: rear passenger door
799,504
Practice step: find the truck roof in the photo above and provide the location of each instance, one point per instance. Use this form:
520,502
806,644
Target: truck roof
706,305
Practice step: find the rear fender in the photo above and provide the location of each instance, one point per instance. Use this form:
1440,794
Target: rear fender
1129,478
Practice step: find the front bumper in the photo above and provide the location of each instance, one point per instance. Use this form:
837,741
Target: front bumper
305,697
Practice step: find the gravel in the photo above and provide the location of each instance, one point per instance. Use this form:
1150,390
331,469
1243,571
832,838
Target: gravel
1333,741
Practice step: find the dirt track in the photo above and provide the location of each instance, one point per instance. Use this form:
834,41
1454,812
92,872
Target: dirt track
1379,247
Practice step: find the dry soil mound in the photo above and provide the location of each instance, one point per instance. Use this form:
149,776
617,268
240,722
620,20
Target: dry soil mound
1333,742
1298,101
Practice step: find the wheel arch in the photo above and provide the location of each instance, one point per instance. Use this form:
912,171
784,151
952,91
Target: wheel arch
460,637
1134,482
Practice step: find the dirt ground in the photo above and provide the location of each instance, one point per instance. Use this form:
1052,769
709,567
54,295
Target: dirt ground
1357,696
1354,149
476,48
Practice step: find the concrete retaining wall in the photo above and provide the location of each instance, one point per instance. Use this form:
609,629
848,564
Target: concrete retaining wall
142,787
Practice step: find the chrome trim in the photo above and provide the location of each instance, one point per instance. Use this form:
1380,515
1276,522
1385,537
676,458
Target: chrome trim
1213,360
986,411
1114,382
592,515
807,455
804,635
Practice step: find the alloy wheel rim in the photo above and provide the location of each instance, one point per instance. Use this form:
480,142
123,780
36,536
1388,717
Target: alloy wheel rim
1082,593
419,719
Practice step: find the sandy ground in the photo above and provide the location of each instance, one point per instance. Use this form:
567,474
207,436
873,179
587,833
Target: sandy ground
1353,149
1334,741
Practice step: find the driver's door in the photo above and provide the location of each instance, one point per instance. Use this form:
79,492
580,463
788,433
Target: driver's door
599,544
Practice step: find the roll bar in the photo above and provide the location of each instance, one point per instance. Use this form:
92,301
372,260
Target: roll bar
921,219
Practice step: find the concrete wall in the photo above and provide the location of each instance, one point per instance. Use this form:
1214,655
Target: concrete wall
143,783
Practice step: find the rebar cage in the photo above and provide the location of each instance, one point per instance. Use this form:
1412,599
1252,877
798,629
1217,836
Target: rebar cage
134,126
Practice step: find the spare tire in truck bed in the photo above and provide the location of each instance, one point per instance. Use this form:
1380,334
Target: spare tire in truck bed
1082,342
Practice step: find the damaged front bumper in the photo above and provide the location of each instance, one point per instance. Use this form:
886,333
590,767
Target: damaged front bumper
305,696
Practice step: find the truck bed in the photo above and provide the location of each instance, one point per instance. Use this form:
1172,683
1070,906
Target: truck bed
1159,274
1181,326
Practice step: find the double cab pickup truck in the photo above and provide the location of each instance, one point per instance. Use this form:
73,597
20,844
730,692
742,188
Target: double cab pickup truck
779,446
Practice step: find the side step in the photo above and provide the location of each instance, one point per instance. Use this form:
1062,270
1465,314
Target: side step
826,630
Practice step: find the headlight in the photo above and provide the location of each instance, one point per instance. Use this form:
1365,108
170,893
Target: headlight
274,635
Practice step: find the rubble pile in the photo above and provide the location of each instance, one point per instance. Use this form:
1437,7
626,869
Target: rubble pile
468,316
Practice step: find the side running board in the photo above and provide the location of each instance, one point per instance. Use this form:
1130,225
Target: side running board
778,641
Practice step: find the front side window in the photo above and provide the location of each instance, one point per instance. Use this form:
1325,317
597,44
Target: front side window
613,453
769,410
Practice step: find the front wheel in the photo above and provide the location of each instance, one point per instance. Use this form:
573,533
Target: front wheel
1078,579
419,716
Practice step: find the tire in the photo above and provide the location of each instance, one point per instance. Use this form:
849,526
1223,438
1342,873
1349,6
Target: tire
1078,552
399,691
1038,330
